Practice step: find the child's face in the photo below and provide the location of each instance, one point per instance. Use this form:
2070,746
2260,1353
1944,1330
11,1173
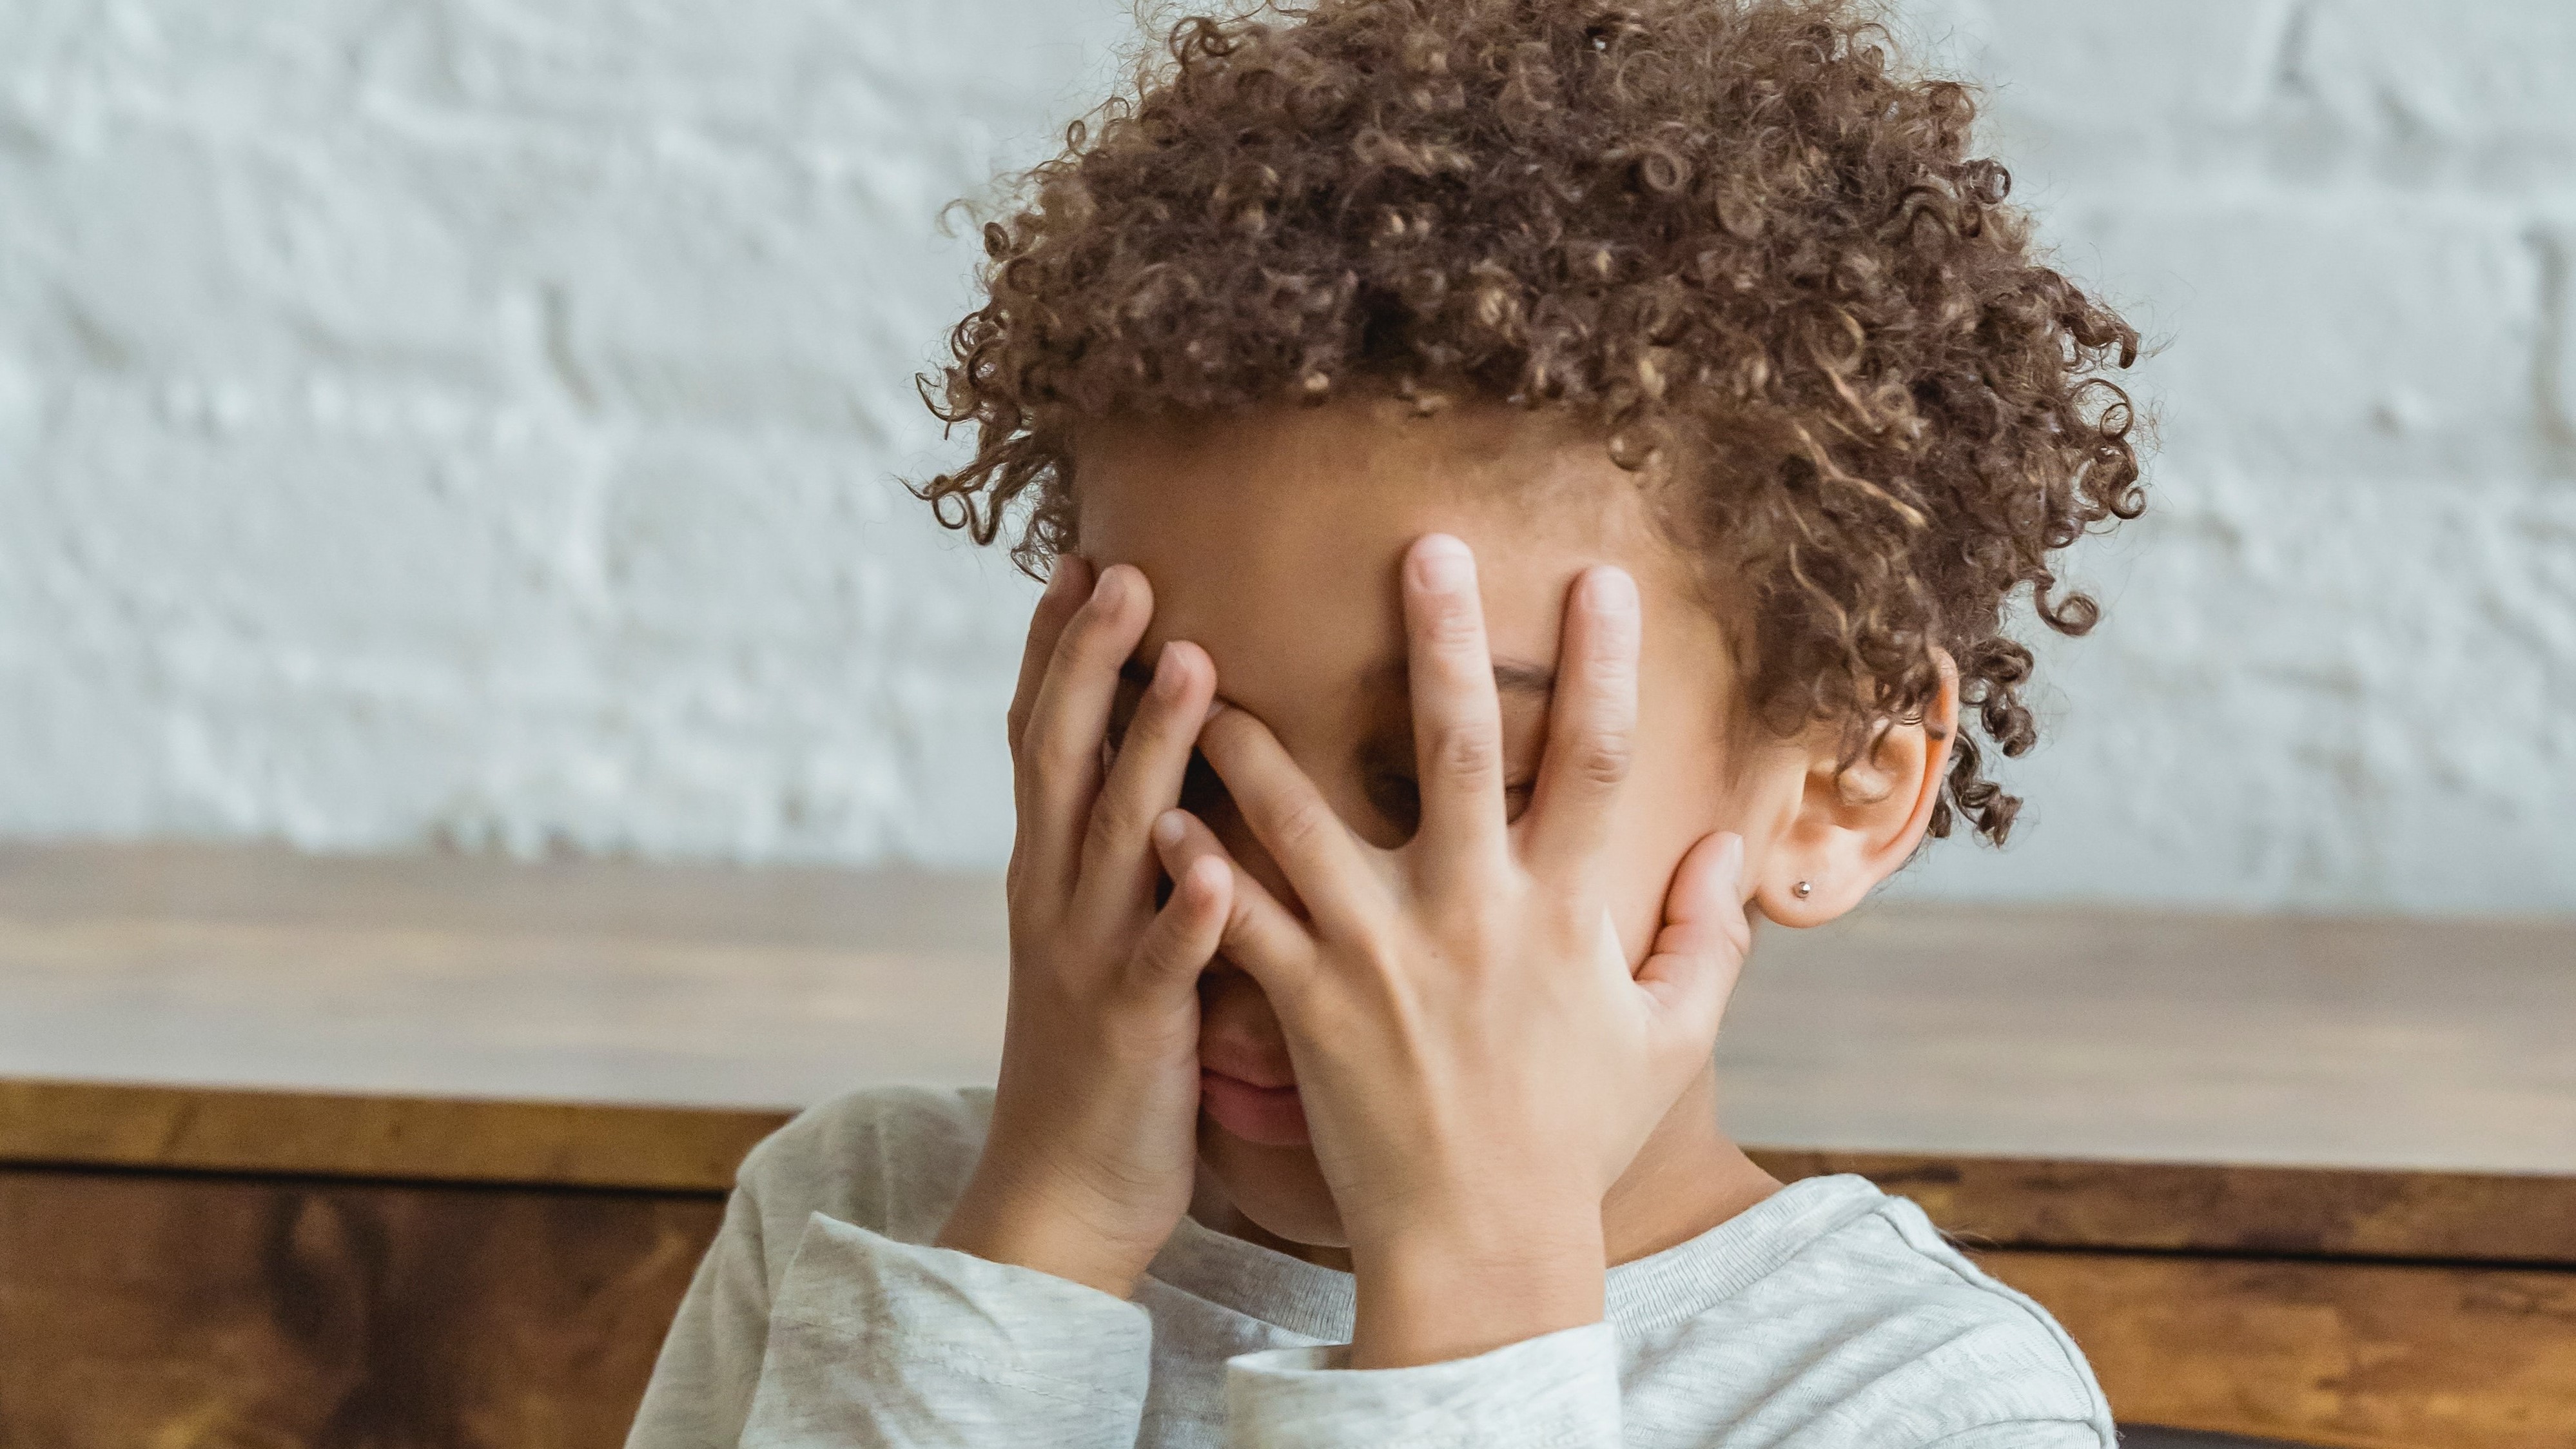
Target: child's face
1273,542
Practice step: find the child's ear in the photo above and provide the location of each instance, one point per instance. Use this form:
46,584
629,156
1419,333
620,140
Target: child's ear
1851,829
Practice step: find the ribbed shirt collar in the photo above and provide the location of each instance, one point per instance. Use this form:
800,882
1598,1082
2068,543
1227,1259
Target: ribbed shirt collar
1645,1296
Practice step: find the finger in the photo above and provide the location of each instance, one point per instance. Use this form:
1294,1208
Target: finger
1591,725
1457,718
1699,951
1065,588
1325,864
1259,934
1118,867
1059,768
1186,932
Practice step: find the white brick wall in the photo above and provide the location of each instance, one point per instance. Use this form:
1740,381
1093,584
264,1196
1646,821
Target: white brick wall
474,422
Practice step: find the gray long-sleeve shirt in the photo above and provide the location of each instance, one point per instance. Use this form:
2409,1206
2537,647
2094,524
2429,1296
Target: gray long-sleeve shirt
1828,1316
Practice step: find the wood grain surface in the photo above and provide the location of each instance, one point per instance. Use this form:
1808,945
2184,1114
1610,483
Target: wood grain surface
2365,1355
2214,1208
157,1310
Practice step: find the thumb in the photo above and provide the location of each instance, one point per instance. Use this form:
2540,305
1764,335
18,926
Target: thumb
1700,949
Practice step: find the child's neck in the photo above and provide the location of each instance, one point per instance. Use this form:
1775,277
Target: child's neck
1688,1178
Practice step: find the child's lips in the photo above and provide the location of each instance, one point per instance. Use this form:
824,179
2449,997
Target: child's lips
1263,1116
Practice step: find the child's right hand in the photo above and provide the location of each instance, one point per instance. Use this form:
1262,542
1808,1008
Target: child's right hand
1091,1157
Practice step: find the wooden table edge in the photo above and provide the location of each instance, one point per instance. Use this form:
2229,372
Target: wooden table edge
261,1132
1988,1201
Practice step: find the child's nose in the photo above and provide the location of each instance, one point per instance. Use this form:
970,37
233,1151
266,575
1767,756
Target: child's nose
1233,1009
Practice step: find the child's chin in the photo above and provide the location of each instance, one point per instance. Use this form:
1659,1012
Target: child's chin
1281,1189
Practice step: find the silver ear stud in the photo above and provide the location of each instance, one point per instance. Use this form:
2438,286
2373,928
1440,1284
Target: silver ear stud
1803,889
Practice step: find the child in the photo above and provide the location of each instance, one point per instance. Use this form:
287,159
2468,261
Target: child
1526,483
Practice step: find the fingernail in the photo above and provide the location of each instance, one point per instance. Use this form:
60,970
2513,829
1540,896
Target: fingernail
1614,591
1442,563
1168,829
1167,680
1110,587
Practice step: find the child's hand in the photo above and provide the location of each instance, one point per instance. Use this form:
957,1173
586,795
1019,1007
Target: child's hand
1091,1156
1476,1060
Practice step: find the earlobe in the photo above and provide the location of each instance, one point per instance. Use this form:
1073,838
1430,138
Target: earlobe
1808,891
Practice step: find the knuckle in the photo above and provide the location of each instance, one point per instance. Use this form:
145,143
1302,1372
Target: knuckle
1058,752
1384,949
1604,757
1301,823
1114,823
1465,925
1466,751
1052,761
1238,918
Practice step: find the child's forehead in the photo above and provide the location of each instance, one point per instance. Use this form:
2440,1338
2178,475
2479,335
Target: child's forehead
1332,633
1313,600
1309,505
1278,547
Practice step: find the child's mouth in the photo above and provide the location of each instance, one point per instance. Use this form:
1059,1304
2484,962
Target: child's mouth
1263,1116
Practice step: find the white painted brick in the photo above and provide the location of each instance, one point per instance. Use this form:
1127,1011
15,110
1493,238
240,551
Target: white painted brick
2328,719
2380,337
2136,79
2485,72
2230,93
472,421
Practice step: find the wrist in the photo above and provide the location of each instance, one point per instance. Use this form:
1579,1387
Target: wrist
1449,1289
1027,1226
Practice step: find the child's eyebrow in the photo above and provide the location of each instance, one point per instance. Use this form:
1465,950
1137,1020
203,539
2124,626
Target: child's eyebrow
1511,676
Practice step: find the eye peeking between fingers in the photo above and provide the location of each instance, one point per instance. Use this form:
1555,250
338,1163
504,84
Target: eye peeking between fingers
1396,796
1134,678
1202,793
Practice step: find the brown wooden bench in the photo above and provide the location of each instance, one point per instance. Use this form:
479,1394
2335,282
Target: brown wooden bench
428,1243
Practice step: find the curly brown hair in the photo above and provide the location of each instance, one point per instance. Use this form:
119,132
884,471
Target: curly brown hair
1731,236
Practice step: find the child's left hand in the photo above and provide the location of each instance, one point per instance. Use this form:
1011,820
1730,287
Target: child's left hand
1477,1060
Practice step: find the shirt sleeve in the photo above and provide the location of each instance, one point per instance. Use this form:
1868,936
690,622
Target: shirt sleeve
889,1345
701,1388
1557,1391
